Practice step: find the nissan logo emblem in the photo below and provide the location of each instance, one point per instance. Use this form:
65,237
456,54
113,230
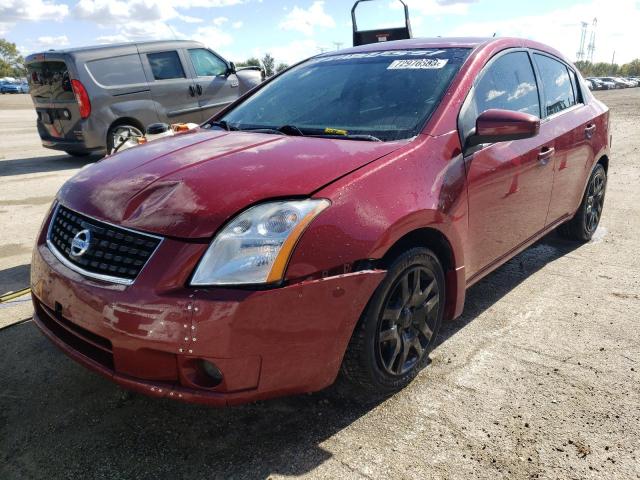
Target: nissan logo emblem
81,243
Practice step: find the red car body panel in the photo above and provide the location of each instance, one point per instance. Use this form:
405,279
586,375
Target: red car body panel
165,187
482,209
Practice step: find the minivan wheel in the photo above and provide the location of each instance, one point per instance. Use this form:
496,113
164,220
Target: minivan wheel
119,132
586,220
397,330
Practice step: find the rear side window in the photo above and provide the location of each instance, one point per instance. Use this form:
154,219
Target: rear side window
556,83
111,72
165,65
206,64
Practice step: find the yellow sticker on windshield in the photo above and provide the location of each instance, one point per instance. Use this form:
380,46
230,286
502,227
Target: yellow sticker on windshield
335,131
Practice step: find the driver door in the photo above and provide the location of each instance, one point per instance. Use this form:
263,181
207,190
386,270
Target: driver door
215,86
509,183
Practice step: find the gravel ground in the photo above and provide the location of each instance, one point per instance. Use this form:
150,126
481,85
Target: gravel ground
538,379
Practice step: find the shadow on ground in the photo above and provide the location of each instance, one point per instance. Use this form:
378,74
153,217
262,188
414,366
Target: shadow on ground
44,164
58,420
14,278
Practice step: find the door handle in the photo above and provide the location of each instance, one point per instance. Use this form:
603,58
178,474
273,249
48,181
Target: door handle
590,130
545,154
199,89
192,91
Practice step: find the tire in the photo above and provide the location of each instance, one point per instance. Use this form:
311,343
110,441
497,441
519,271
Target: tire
77,153
115,130
400,317
585,222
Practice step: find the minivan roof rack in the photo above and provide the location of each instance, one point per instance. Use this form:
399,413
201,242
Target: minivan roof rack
364,37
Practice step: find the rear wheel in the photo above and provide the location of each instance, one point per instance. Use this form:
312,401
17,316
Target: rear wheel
392,341
586,220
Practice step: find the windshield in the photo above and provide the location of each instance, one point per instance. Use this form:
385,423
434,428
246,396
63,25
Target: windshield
388,95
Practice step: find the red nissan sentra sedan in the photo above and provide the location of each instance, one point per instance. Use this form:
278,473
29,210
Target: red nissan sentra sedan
327,222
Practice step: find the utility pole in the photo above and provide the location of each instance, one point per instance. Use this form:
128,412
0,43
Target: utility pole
613,59
591,48
338,45
583,38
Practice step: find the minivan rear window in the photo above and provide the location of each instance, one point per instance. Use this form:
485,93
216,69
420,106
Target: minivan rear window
49,80
117,71
165,65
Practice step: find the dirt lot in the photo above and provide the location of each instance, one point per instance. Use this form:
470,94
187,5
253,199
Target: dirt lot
538,379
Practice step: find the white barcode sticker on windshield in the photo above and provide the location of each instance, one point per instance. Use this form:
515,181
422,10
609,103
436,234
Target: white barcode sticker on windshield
418,63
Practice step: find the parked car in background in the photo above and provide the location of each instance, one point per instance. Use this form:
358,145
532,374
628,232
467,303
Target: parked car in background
9,87
591,84
87,98
24,87
598,84
327,222
617,82
609,85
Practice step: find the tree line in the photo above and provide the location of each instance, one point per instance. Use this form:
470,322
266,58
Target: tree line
11,62
603,69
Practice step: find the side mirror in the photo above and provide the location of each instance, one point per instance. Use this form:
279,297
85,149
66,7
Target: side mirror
231,69
494,126
157,128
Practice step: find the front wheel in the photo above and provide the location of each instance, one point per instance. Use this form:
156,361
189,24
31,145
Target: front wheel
392,341
586,220
119,134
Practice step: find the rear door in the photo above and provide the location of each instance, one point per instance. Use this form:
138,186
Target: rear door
52,94
509,183
215,87
572,123
172,86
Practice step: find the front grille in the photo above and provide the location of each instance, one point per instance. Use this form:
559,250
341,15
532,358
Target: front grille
111,253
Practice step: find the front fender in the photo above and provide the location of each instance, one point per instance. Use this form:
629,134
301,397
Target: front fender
422,185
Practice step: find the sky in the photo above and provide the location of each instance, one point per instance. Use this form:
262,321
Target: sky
292,30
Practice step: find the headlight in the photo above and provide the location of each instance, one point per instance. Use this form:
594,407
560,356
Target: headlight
255,246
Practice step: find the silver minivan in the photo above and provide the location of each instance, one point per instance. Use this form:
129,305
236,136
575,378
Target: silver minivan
87,98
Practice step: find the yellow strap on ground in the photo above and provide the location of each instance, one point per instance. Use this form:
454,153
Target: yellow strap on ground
13,295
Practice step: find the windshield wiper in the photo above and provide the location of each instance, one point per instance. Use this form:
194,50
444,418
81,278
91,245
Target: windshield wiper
360,137
222,124
289,130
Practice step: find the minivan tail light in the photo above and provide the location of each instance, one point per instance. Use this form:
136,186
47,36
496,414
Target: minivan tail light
82,98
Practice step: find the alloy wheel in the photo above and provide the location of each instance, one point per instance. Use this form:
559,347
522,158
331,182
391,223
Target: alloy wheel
408,320
595,201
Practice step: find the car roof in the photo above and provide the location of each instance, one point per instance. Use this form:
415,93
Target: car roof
115,46
475,43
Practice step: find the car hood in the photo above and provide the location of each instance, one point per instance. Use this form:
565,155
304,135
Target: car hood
188,185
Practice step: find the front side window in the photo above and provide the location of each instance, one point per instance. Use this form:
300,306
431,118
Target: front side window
388,94
206,64
556,83
166,65
508,83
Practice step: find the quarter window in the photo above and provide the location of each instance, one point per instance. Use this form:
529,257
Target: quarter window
557,84
206,64
165,65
